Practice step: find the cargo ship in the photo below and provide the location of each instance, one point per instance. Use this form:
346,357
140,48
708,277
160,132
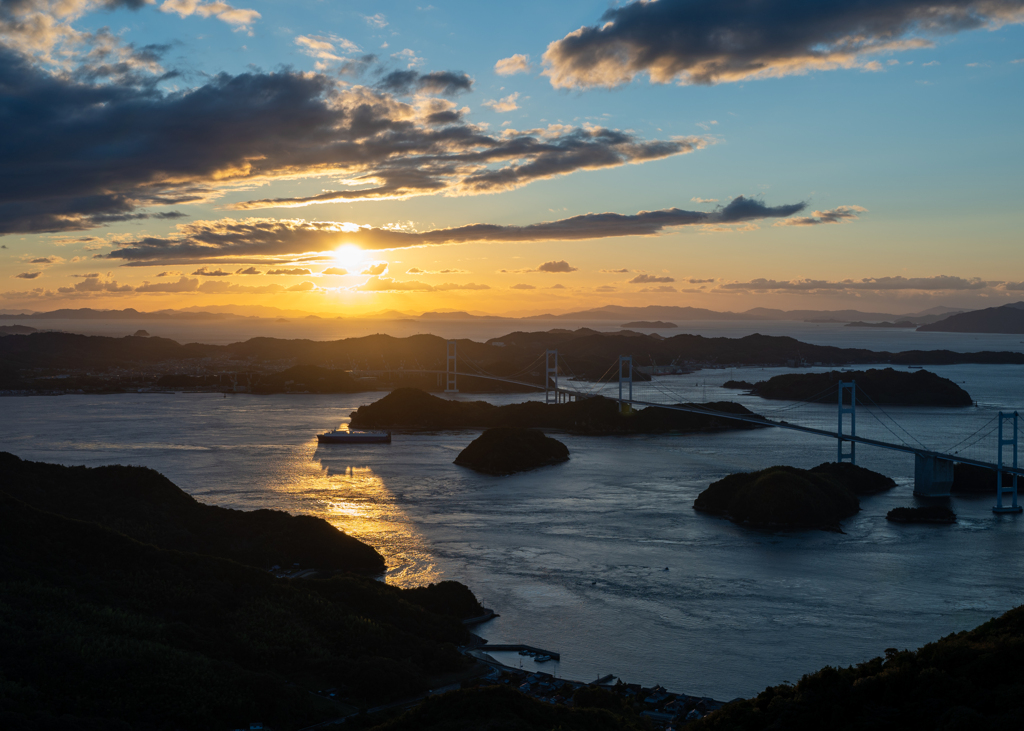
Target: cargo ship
346,436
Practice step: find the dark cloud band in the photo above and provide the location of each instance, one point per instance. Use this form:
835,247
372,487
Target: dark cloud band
77,154
208,240
714,41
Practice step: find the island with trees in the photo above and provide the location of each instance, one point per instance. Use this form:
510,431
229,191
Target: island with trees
509,449
409,408
792,498
924,514
878,385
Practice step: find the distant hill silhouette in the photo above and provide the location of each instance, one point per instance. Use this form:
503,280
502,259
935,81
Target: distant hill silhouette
1007,319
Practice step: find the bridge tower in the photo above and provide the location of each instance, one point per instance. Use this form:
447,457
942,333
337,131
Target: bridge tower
550,376
452,386
850,456
625,377
1011,442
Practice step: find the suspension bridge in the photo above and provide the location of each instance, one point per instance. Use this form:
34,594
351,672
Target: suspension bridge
933,469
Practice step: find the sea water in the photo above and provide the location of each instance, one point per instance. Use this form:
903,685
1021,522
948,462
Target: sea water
602,558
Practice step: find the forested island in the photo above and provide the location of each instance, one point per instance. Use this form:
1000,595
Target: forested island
792,498
881,386
51,362
651,325
925,514
509,449
409,408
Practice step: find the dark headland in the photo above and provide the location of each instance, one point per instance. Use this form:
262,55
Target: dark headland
1008,319
410,408
792,498
509,449
882,386
127,604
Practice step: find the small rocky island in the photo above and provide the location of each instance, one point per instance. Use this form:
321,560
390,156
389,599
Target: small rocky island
972,480
881,385
792,498
928,514
745,385
648,325
507,450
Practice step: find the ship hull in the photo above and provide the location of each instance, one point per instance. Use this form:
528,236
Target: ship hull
354,438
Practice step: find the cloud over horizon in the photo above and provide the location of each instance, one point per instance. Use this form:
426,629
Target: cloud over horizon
717,41
78,153
202,240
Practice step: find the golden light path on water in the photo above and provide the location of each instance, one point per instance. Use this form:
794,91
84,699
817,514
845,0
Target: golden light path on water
356,500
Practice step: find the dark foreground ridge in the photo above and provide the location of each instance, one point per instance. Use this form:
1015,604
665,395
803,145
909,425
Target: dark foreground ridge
883,386
102,631
509,449
144,505
410,408
789,497
968,680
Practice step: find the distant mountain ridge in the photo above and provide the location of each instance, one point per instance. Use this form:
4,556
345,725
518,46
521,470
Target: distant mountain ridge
613,313
1007,319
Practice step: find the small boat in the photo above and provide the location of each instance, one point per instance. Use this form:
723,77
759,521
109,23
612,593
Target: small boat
346,436
542,658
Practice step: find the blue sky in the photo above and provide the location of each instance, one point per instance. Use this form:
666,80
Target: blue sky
920,146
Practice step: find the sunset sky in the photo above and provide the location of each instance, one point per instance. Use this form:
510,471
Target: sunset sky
516,158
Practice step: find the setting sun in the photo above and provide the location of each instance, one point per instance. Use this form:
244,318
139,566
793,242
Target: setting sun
349,257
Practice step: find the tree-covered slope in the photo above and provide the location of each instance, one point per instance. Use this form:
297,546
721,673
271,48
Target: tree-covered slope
96,625
145,505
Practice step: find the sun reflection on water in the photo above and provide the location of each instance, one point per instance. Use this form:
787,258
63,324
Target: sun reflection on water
353,498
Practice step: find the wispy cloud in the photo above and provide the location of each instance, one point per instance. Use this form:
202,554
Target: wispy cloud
876,284
836,215
206,240
649,279
507,104
517,64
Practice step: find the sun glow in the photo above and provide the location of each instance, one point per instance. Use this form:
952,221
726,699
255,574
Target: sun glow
350,257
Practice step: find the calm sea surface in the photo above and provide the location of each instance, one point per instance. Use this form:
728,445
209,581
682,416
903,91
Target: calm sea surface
602,558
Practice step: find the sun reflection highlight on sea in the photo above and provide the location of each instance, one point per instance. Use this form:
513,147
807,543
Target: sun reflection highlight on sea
355,499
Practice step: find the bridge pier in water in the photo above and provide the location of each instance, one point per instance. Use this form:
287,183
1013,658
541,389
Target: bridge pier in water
933,476
850,456
1012,443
